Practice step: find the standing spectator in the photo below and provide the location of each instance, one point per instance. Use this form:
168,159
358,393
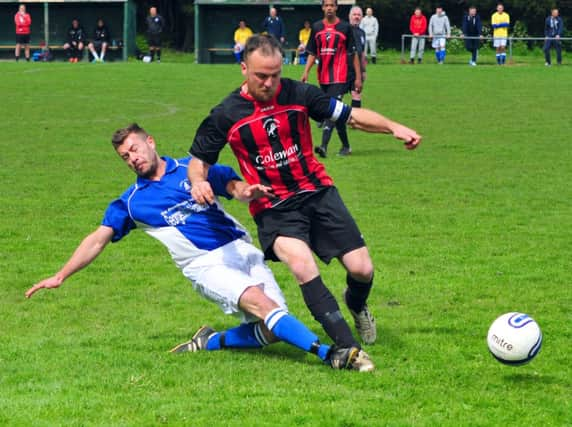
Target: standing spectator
371,27
418,27
439,31
472,27
303,38
100,41
274,25
23,21
76,42
241,35
330,42
155,24
355,17
553,30
500,21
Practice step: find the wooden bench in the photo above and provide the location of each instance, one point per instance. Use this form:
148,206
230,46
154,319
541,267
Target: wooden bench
57,48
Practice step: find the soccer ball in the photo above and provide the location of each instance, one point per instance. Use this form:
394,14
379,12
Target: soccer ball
514,338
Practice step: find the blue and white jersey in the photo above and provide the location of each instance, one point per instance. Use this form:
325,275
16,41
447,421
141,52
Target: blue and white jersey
165,210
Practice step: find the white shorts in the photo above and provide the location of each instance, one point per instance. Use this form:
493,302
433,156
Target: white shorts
439,42
222,276
499,42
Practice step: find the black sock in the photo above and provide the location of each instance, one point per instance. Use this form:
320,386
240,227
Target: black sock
152,54
326,310
159,54
17,58
356,103
357,293
343,133
327,130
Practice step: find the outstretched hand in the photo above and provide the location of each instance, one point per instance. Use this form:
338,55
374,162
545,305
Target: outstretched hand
49,283
256,191
410,138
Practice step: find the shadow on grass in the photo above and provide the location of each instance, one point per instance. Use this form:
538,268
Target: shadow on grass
532,378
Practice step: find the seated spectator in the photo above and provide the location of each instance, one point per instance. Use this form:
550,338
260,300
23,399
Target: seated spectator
241,34
76,42
100,42
303,38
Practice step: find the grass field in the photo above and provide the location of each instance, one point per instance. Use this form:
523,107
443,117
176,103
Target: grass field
475,223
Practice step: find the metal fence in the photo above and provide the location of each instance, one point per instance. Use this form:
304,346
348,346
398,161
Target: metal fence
510,41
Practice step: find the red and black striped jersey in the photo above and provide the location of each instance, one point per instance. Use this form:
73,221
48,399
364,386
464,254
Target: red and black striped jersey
271,140
331,44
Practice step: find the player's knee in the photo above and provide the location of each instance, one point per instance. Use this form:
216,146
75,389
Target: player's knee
256,302
268,334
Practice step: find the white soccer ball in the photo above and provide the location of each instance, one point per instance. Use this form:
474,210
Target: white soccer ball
514,338
146,59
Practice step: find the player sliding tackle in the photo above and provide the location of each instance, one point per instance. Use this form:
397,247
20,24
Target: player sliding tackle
266,123
208,245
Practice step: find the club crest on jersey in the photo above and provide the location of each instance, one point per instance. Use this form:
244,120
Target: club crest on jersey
328,36
271,127
185,185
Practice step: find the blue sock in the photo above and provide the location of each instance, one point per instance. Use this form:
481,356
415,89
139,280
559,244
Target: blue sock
237,57
243,336
437,55
289,329
498,59
443,55
503,58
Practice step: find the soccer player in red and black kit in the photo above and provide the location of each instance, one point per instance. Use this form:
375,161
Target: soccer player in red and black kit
331,40
267,124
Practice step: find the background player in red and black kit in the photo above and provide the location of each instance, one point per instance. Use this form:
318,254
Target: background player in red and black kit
330,41
266,122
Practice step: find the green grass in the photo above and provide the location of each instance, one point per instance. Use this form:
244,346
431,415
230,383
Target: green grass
475,223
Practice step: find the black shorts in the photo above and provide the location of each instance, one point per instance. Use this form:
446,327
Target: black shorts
154,40
22,39
335,90
320,219
97,45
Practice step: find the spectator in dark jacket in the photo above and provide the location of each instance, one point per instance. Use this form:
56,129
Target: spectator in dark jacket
274,25
472,27
553,30
155,26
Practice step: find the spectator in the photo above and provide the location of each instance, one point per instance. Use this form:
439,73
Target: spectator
23,21
100,42
274,25
418,27
155,25
303,37
355,17
553,30
241,35
371,27
330,42
439,31
500,21
76,42
472,27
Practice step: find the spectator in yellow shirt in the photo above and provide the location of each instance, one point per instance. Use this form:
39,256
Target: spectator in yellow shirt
500,21
304,37
241,35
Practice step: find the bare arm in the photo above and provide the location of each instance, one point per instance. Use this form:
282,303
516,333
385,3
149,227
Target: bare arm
309,64
201,189
357,69
370,121
245,193
84,254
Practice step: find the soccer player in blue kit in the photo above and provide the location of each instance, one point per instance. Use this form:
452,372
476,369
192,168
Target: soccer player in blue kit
208,245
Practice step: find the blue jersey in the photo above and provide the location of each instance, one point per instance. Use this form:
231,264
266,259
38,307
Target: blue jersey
165,210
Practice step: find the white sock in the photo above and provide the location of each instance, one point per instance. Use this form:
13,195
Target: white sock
94,53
